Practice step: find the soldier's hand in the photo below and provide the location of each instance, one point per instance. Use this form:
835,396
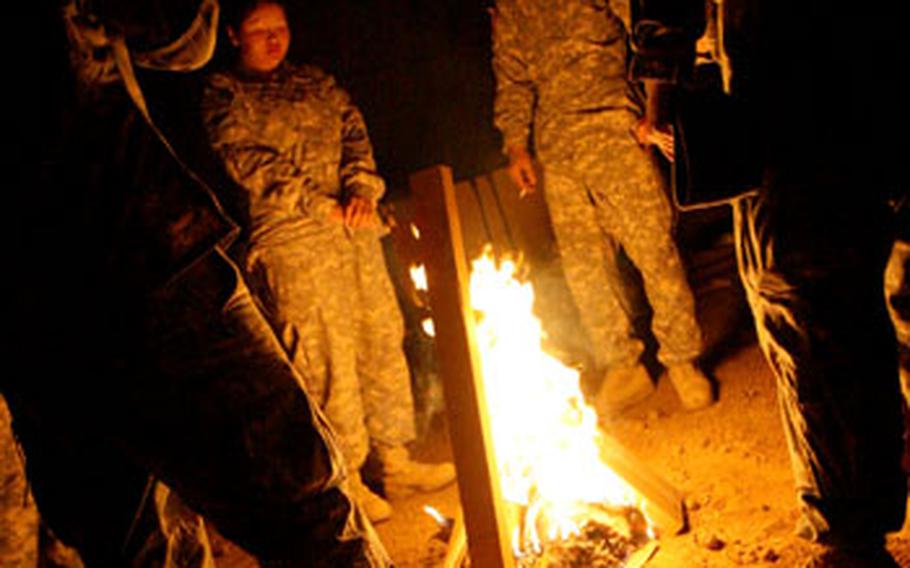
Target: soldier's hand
649,135
521,170
360,213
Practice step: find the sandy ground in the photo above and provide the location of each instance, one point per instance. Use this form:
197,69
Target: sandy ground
730,462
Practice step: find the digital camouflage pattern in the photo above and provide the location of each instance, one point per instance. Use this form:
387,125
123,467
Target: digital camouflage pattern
560,67
585,209
294,143
18,514
298,147
561,75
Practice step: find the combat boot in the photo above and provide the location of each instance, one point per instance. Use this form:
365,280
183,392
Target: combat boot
376,508
402,475
692,386
623,387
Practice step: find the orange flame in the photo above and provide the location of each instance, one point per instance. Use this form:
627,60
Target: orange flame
545,436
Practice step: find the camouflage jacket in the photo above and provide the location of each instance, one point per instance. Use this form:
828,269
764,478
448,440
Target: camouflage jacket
558,64
293,141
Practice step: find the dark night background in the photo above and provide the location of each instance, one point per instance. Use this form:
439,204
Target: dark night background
418,69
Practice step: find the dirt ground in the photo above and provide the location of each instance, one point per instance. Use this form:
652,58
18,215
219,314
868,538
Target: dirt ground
729,461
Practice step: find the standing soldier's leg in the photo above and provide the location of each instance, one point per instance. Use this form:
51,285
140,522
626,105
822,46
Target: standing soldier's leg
381,364
307,288
309,292
633,206
815,287
384,375
585,252
18,515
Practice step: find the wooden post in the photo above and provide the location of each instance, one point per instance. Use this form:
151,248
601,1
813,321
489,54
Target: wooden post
664,505
459,365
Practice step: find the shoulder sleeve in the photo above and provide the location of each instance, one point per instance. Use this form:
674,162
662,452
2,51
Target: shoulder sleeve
358,167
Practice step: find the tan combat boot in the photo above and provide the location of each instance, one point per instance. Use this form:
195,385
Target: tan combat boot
692,386
402,475
376,508
622,387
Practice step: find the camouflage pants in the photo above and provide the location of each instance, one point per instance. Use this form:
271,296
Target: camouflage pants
328,295
18,515
814,282
607,195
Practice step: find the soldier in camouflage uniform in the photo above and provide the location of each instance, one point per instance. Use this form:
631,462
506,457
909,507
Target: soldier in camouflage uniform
299,151
561,72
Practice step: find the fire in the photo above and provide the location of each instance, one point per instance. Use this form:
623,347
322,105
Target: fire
545,436
419,277
418,274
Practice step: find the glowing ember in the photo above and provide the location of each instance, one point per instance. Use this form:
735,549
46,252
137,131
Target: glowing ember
428,327
415,231
545,437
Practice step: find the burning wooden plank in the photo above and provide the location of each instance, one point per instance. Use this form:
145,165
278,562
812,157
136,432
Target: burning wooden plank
563,478
447,273
664,504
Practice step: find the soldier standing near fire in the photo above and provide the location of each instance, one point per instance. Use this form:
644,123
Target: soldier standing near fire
562,89
298,149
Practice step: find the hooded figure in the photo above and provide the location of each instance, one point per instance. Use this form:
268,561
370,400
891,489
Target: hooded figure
813,243
146,357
